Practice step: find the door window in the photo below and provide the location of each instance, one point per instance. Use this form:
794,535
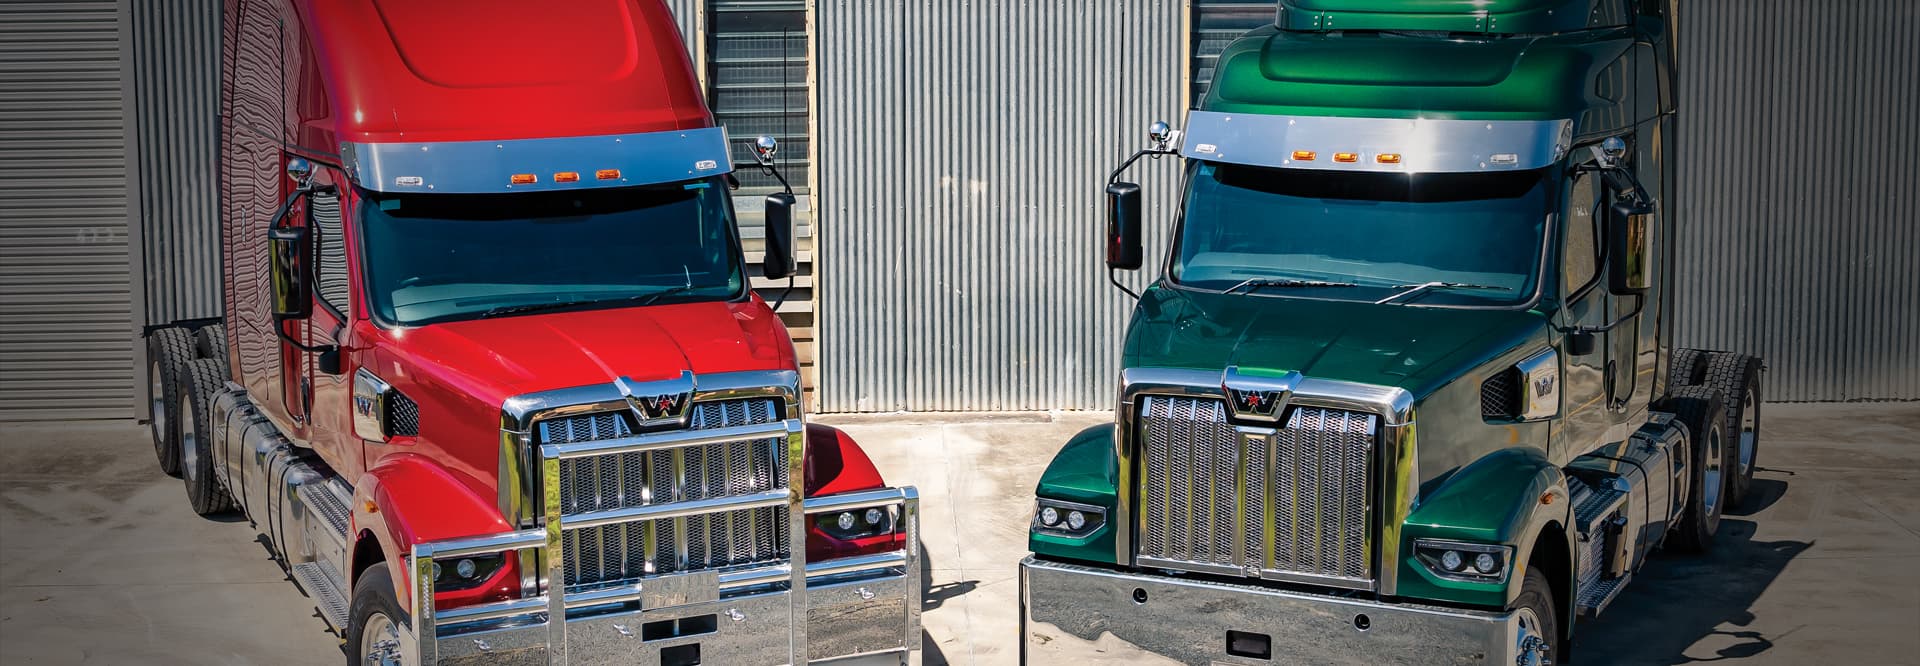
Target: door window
330,251
1580,245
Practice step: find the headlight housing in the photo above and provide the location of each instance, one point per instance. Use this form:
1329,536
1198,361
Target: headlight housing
1462,561
464,573
1072,520
857,523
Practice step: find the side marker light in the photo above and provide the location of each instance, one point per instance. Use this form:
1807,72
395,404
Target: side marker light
566,177
522,179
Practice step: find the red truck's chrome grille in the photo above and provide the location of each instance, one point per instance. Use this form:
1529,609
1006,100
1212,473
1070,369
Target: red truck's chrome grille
1291,502
622,552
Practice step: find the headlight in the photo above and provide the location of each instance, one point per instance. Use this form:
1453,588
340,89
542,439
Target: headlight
460,573
1068,519
850,525
1457,560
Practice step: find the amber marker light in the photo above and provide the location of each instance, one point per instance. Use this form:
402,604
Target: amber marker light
1387,158
1303,156
1348,158
607,174
566,177
522,179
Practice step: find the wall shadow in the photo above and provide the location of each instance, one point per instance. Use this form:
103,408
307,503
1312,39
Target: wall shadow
1677,600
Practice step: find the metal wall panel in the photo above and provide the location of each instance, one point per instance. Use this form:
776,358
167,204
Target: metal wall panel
176,79
1798,235
962,150
65,298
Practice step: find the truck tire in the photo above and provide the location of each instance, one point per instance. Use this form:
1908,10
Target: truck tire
375,621
210,341
1539,621
1700,408
205,380
1737,378
168,350
1683,368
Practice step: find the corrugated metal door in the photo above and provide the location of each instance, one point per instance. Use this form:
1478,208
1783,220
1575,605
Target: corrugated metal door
66,307
176,80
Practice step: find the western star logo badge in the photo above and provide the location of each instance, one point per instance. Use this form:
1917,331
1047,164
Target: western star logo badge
657,401
659,406
1251,402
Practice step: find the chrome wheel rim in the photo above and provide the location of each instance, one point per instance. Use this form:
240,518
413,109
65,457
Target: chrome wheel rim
157,402
380,642
1749,431
1531,643
189,441
1713,485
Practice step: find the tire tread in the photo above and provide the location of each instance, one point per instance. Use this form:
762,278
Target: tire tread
204,493
172,347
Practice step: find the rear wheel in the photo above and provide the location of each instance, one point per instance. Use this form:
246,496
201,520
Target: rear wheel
210,341
205,380
168,350
1683,367
1737,378
375,621
1701,410
1538,620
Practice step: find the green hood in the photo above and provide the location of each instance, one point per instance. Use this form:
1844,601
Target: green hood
1418,349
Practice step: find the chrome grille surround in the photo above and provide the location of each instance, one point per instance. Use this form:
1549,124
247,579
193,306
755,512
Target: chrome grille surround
1333,431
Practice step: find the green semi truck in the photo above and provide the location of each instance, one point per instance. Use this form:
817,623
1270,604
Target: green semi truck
1405,389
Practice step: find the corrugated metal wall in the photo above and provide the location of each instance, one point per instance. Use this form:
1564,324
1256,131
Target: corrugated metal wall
962,152
1798,184
65,298
176,68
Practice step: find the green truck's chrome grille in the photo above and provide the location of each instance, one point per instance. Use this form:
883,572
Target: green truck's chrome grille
1288,503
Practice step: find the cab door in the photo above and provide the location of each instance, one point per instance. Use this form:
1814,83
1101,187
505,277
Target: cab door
1584,409
327,378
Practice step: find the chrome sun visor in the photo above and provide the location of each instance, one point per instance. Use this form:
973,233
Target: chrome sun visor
1390,145
538,165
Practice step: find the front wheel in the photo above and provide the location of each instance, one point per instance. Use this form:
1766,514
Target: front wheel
375,622
1539,623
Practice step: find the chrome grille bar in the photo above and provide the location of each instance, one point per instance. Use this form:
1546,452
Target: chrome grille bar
1291,503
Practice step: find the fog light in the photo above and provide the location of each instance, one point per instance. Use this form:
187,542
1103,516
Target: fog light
465,568
1049,517
874,516
1485,563
1076,520
1451,560
845,521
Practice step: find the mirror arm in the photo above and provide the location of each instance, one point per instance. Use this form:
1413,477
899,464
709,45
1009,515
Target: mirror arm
1113,275
1115,176
766,166
1639,304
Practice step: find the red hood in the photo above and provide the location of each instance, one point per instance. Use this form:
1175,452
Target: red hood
494,359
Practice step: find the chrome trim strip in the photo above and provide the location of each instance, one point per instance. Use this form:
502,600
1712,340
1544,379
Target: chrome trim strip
1423,145
445,167
677,439
519,412
483,545
842,565
493,611
855,500
758,500
730,580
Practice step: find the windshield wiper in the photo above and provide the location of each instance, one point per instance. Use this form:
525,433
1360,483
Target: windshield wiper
1412,289
1261,283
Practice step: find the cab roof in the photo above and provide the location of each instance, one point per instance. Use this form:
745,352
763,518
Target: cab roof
459,70
1481,16
1368,74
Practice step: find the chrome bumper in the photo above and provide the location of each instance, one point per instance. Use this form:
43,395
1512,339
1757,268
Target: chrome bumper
1082,615
857,610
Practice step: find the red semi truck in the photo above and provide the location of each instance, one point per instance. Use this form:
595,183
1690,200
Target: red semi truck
491,377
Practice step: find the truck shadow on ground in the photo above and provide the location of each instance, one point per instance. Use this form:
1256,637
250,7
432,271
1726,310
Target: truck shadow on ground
934,596
1678,600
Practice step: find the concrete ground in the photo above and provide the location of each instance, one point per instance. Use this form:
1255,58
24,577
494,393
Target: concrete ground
101,561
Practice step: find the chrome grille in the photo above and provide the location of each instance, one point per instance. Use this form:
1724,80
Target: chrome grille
1305,488
623,552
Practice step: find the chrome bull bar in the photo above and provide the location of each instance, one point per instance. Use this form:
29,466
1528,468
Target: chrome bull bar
528,620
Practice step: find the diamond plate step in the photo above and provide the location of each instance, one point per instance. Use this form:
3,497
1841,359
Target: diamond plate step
321,501
319,583
1595,598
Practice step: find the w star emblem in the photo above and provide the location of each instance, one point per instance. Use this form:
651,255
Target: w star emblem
1260,403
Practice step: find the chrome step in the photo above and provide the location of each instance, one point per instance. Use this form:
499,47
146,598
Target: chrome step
319,583
1596,597
323,501
1592,505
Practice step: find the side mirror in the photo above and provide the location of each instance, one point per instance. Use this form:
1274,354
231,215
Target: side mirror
778,261
1630,247
1123,227
290,263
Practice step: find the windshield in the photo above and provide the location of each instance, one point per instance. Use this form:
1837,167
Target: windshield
440,257
1480,233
